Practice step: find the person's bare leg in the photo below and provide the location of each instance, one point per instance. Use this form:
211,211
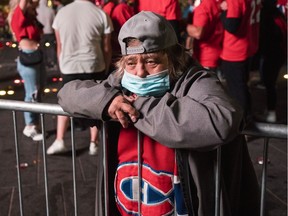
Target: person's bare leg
62,124
93,148
94,134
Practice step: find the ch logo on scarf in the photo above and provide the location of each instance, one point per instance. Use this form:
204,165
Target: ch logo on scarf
157,193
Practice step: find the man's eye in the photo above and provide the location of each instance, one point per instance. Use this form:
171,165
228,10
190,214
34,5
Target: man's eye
130,63
151,62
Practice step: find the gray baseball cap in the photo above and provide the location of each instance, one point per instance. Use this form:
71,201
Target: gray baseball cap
153,30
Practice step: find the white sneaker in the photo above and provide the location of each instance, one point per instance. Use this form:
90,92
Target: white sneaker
31,131
58,146
271,116
93,148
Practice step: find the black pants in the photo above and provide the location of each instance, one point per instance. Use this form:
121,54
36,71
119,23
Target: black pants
270,66
48,44
237,75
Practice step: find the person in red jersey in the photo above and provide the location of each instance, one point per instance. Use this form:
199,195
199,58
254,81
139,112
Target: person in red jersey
119,11
207,31
170,9
182,113
282,5
241,37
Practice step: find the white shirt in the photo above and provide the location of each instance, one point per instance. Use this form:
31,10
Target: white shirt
45,16
81,25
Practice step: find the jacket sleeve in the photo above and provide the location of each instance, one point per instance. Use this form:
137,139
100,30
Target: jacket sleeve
86,98
196,114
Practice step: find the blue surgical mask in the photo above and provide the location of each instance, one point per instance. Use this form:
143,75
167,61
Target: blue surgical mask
151,85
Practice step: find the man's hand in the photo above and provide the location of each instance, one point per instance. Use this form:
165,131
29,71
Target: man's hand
121,109
224,6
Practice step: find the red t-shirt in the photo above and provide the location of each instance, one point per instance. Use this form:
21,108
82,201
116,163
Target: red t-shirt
24,27
244,43
170,9
207,50
119,14
108,8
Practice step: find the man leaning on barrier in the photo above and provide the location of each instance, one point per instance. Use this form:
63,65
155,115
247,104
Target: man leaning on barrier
184,115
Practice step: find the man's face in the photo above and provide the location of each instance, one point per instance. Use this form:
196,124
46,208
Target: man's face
146,64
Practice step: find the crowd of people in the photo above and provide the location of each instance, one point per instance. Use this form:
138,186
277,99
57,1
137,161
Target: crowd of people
142,64
220,36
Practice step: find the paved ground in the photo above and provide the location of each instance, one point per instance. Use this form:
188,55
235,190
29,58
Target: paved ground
60,168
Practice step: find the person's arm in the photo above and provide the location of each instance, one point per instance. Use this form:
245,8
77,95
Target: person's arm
195,31
230,24
96,100
58,42
107,51
23,4
199,19
196,114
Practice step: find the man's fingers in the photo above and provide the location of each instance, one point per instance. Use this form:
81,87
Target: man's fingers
124,121
131,112
121,110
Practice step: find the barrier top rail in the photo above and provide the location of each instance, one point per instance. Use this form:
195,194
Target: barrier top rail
32,107
279,131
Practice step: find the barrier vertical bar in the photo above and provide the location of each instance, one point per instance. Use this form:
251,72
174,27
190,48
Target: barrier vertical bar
45,164
264,175
74,166
139,149
105,167
18,164
218,181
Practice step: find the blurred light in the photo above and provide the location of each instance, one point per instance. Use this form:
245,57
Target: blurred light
8,43
14,45
17,81
10,92
60,79
285,76
2,92
22,81
54,79
54,90
49,3
47,44
47,90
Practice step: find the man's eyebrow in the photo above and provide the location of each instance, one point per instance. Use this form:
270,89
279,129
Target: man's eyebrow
131,57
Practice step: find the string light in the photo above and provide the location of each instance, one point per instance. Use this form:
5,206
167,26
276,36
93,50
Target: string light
47,90
10,92
2,92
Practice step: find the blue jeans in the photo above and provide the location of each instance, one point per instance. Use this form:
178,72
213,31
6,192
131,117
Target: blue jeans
31,76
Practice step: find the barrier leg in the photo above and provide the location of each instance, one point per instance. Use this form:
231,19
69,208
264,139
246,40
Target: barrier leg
264,176
18,164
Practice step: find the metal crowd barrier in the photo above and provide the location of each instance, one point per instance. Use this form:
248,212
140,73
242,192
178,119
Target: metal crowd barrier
264,130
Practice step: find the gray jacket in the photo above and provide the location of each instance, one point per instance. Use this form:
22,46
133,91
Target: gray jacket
195,118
